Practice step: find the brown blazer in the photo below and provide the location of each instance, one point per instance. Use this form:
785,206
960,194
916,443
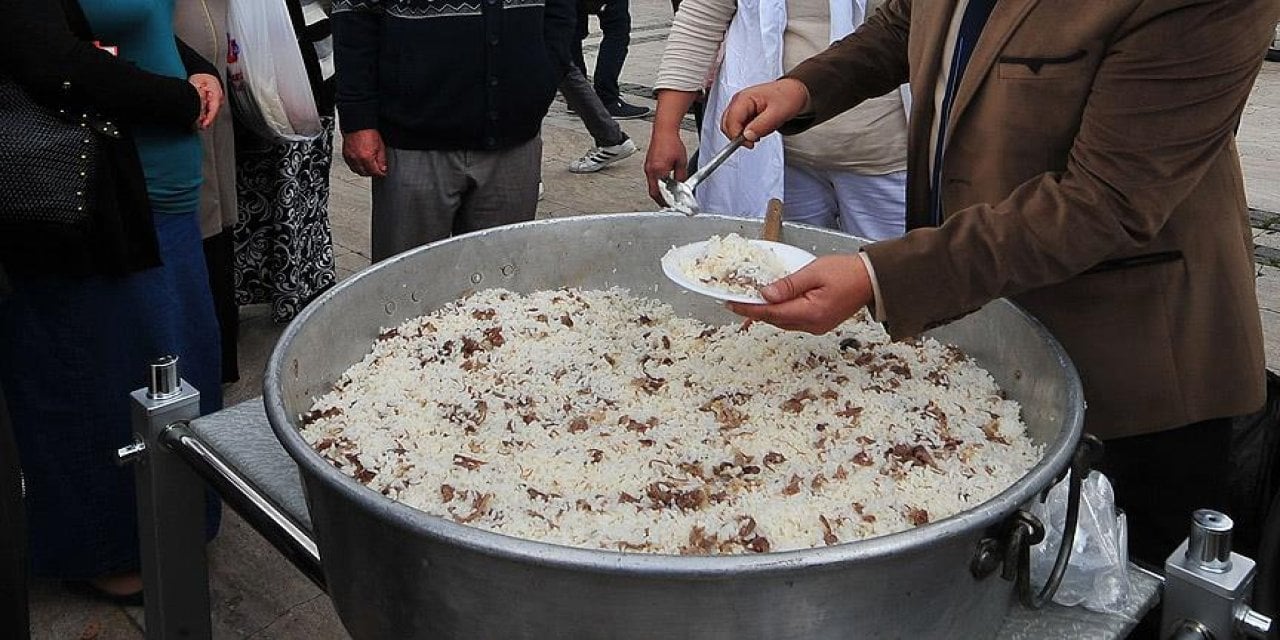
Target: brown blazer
1091,175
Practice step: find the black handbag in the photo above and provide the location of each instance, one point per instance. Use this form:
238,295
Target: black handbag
49,160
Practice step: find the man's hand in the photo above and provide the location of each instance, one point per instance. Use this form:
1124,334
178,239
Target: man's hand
666,155
364,152
210,92
758,111
816,298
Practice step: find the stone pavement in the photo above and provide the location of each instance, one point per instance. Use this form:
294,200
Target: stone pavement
257,594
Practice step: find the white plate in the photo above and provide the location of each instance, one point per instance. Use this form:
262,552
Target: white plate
792,258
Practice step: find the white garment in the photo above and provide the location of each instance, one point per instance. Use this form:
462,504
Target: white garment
753,55
866,206
743,185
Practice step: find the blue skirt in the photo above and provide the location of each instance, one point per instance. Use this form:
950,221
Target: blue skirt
71,350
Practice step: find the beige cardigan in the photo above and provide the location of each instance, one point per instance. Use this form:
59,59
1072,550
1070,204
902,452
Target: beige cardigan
202,24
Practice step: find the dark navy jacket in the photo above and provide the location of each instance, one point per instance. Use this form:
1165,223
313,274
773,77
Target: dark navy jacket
449,74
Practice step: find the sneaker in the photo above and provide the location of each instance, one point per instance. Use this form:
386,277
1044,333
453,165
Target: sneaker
623,111
601,157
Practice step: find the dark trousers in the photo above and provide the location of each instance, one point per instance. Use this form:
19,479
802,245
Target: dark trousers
13,558
1161,478
218,258
615,22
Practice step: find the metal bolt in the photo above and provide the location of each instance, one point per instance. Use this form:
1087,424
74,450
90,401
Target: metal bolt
131,453
390,307
508,270
476,278
164,382
987,559
1252,624
1209,547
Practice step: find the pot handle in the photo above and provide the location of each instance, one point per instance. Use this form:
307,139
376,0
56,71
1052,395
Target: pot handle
1022,539
1025,531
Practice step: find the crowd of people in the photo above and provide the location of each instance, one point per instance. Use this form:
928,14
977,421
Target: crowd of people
1064,157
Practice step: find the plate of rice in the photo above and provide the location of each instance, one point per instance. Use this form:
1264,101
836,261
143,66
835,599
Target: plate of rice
732,268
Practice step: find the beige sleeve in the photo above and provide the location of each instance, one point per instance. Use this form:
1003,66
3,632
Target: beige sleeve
696,33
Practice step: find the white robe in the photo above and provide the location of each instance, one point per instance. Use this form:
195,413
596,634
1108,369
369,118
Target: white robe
753,55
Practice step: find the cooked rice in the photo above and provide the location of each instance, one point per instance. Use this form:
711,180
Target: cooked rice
733,264
601,420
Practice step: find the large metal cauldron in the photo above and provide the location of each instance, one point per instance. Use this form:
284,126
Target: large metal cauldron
394,572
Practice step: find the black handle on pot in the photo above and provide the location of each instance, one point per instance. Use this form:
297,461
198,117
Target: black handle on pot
1027,532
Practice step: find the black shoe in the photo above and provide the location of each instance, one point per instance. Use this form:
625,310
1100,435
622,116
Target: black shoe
623,111
89,590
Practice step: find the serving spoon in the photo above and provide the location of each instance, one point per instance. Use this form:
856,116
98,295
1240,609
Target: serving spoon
679,195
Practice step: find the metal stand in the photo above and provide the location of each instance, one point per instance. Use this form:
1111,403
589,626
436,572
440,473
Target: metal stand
171,510
1207,586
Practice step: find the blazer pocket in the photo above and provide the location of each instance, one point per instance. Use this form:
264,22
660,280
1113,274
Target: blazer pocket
1041,67
1133,262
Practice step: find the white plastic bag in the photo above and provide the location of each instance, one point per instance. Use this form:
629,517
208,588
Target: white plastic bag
270,91
1097,574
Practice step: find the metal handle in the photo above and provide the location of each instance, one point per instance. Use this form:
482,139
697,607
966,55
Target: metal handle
253,505
715,162
1025,531
1089,450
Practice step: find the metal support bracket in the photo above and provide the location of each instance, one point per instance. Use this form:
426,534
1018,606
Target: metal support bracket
171,511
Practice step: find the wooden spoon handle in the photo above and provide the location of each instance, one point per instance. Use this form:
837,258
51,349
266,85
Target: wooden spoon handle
772,221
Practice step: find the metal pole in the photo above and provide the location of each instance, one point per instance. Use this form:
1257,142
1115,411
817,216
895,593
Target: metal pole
171,511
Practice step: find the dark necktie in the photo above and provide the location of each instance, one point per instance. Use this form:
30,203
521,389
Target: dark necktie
971,24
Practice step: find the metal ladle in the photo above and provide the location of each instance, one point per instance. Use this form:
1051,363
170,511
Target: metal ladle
679,195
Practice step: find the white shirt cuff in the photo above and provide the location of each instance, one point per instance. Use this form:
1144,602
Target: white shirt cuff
878,310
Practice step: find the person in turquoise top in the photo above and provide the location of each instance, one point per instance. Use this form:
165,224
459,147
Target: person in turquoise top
142,32
73,345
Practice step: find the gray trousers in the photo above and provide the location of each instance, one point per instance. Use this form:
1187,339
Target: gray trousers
581,97
431,195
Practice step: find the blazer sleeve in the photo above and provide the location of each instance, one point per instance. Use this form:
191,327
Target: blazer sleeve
1157,120
44,56
868,63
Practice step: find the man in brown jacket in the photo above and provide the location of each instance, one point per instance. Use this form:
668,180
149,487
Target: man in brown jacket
1078,158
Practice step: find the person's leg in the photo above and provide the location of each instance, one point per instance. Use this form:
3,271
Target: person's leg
615,22
871,207
417,200
583,100
219,259
1161,478
13,545
809,198
505,187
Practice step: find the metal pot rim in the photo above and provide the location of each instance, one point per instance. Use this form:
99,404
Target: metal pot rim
992,512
